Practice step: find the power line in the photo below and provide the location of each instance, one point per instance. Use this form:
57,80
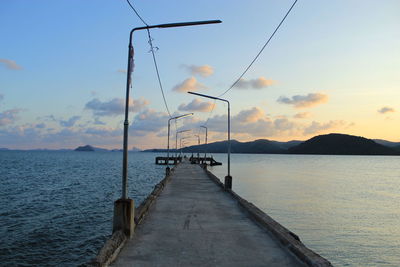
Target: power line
158,73
152,48
262,49
254,60
137,13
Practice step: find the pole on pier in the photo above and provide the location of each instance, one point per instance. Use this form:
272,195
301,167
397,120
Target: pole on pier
228,178
124,208
167,170
176,141
205,144
198,148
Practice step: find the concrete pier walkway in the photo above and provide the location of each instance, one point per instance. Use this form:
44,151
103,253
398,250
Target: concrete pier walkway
195,223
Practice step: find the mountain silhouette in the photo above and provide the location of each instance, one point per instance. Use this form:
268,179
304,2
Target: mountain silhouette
341,144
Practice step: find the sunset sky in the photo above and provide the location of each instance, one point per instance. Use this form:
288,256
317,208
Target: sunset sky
333,66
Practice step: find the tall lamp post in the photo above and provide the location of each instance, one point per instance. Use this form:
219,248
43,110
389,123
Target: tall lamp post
228,178
128,84
181,143
205,147
198,144
169,126
176,141
124,207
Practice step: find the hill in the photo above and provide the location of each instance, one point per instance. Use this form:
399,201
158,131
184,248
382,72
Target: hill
341,144
387,143
261,146
84,148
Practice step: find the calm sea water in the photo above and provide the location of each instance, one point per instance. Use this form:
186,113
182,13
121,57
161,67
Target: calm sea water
56,207
346,208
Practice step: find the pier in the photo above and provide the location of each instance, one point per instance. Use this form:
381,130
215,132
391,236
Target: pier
194,160
191,220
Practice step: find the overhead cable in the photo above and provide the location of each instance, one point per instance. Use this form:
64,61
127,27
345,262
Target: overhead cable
262,49
254,60
152,48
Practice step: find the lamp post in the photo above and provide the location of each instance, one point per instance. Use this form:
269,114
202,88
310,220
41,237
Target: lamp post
124,207
228,178
205,147
181,143
128,84
176,141
169,126
198,144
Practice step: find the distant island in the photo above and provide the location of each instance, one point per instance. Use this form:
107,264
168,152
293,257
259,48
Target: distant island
89,148
342,144
329,144
85,148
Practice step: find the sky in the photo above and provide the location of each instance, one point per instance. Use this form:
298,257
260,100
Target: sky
333,66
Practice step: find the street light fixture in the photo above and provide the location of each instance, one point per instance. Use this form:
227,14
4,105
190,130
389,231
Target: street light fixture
228,178
180,140
198,147
176,141
169,126
128,84
205,147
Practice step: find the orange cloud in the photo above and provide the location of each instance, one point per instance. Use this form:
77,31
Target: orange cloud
10,64
190,84
205,70
386,110
258,83
302,115
197,105
304,101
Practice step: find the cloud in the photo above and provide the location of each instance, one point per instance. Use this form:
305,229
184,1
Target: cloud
9,116
302,115
197,105
204,71
149,120
115,106
29,136
1,98
97,121
253,123
304,101
258,83
386,110
104,132
10,64
190,84
316,127
250,115
40,126
70,122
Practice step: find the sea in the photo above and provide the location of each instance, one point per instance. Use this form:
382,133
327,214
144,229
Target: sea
56,207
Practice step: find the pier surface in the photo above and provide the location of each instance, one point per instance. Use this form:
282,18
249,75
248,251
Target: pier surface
195,223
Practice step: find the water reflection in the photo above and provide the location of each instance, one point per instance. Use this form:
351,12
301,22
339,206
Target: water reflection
346,208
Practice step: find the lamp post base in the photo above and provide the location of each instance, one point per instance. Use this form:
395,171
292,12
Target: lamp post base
228,182
124,216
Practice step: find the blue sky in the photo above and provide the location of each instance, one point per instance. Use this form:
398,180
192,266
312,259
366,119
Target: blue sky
332,67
